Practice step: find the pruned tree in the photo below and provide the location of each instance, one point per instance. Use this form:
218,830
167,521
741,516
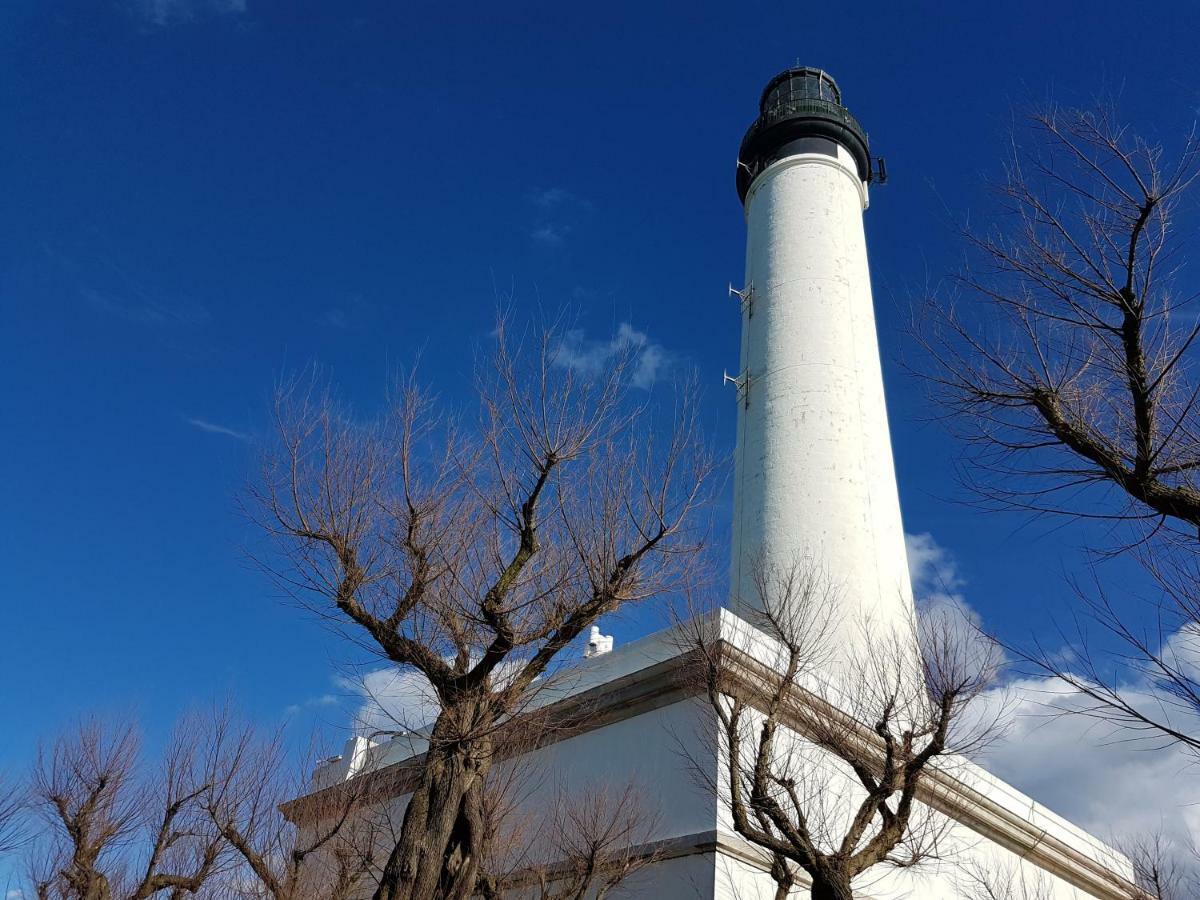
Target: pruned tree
1066,362
824,759
475,555
118,829
323,849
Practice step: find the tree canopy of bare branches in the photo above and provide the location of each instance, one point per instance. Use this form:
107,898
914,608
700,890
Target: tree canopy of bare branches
1070,370
115,830
1156,875
12,807
583,845
330,858
1067,363
789,735
476,555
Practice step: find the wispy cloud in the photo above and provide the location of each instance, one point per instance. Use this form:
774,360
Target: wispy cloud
557,208
350,311
335,317
164,13
644,357
314,702
936,580
550,234
549,198
144,311
214,428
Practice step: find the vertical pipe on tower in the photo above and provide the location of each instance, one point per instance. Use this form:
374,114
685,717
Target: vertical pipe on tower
815,483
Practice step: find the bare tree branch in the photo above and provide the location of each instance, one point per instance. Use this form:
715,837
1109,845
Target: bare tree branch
790,733
114,831
1073,354
475,556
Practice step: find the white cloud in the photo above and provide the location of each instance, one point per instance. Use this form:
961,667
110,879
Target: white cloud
214,428
164,13
1084,770
1089,772
934,573
393,700
1182,650
645,358
937,585
396,700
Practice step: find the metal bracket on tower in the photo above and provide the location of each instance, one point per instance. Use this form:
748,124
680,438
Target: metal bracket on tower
878,171
745,297
742,383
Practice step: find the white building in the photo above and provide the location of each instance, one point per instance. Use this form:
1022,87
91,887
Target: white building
814,479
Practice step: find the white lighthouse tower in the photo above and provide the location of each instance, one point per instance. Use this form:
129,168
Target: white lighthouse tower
815,486
815,483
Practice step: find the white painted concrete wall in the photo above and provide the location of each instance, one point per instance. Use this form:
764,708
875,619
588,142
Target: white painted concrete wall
962,857
648,750
815,477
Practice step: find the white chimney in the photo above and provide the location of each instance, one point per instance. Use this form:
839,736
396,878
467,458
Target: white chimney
598,643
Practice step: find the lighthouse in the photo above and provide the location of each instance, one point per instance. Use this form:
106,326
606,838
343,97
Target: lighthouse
815,484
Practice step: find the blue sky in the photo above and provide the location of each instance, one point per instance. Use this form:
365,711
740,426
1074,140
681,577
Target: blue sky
200,195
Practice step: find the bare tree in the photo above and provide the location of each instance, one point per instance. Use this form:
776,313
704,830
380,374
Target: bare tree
12,808
1068,366
795,723
1158,868
115,830
1154,863
331,857
586,844
1071,369
474,556
982,881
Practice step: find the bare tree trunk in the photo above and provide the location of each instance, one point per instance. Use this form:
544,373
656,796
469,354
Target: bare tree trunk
439,850
831,886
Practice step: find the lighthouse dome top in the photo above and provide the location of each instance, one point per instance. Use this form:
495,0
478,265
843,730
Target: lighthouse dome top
800,82
797,104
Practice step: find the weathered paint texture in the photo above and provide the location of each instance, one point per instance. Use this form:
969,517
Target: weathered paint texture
815,478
